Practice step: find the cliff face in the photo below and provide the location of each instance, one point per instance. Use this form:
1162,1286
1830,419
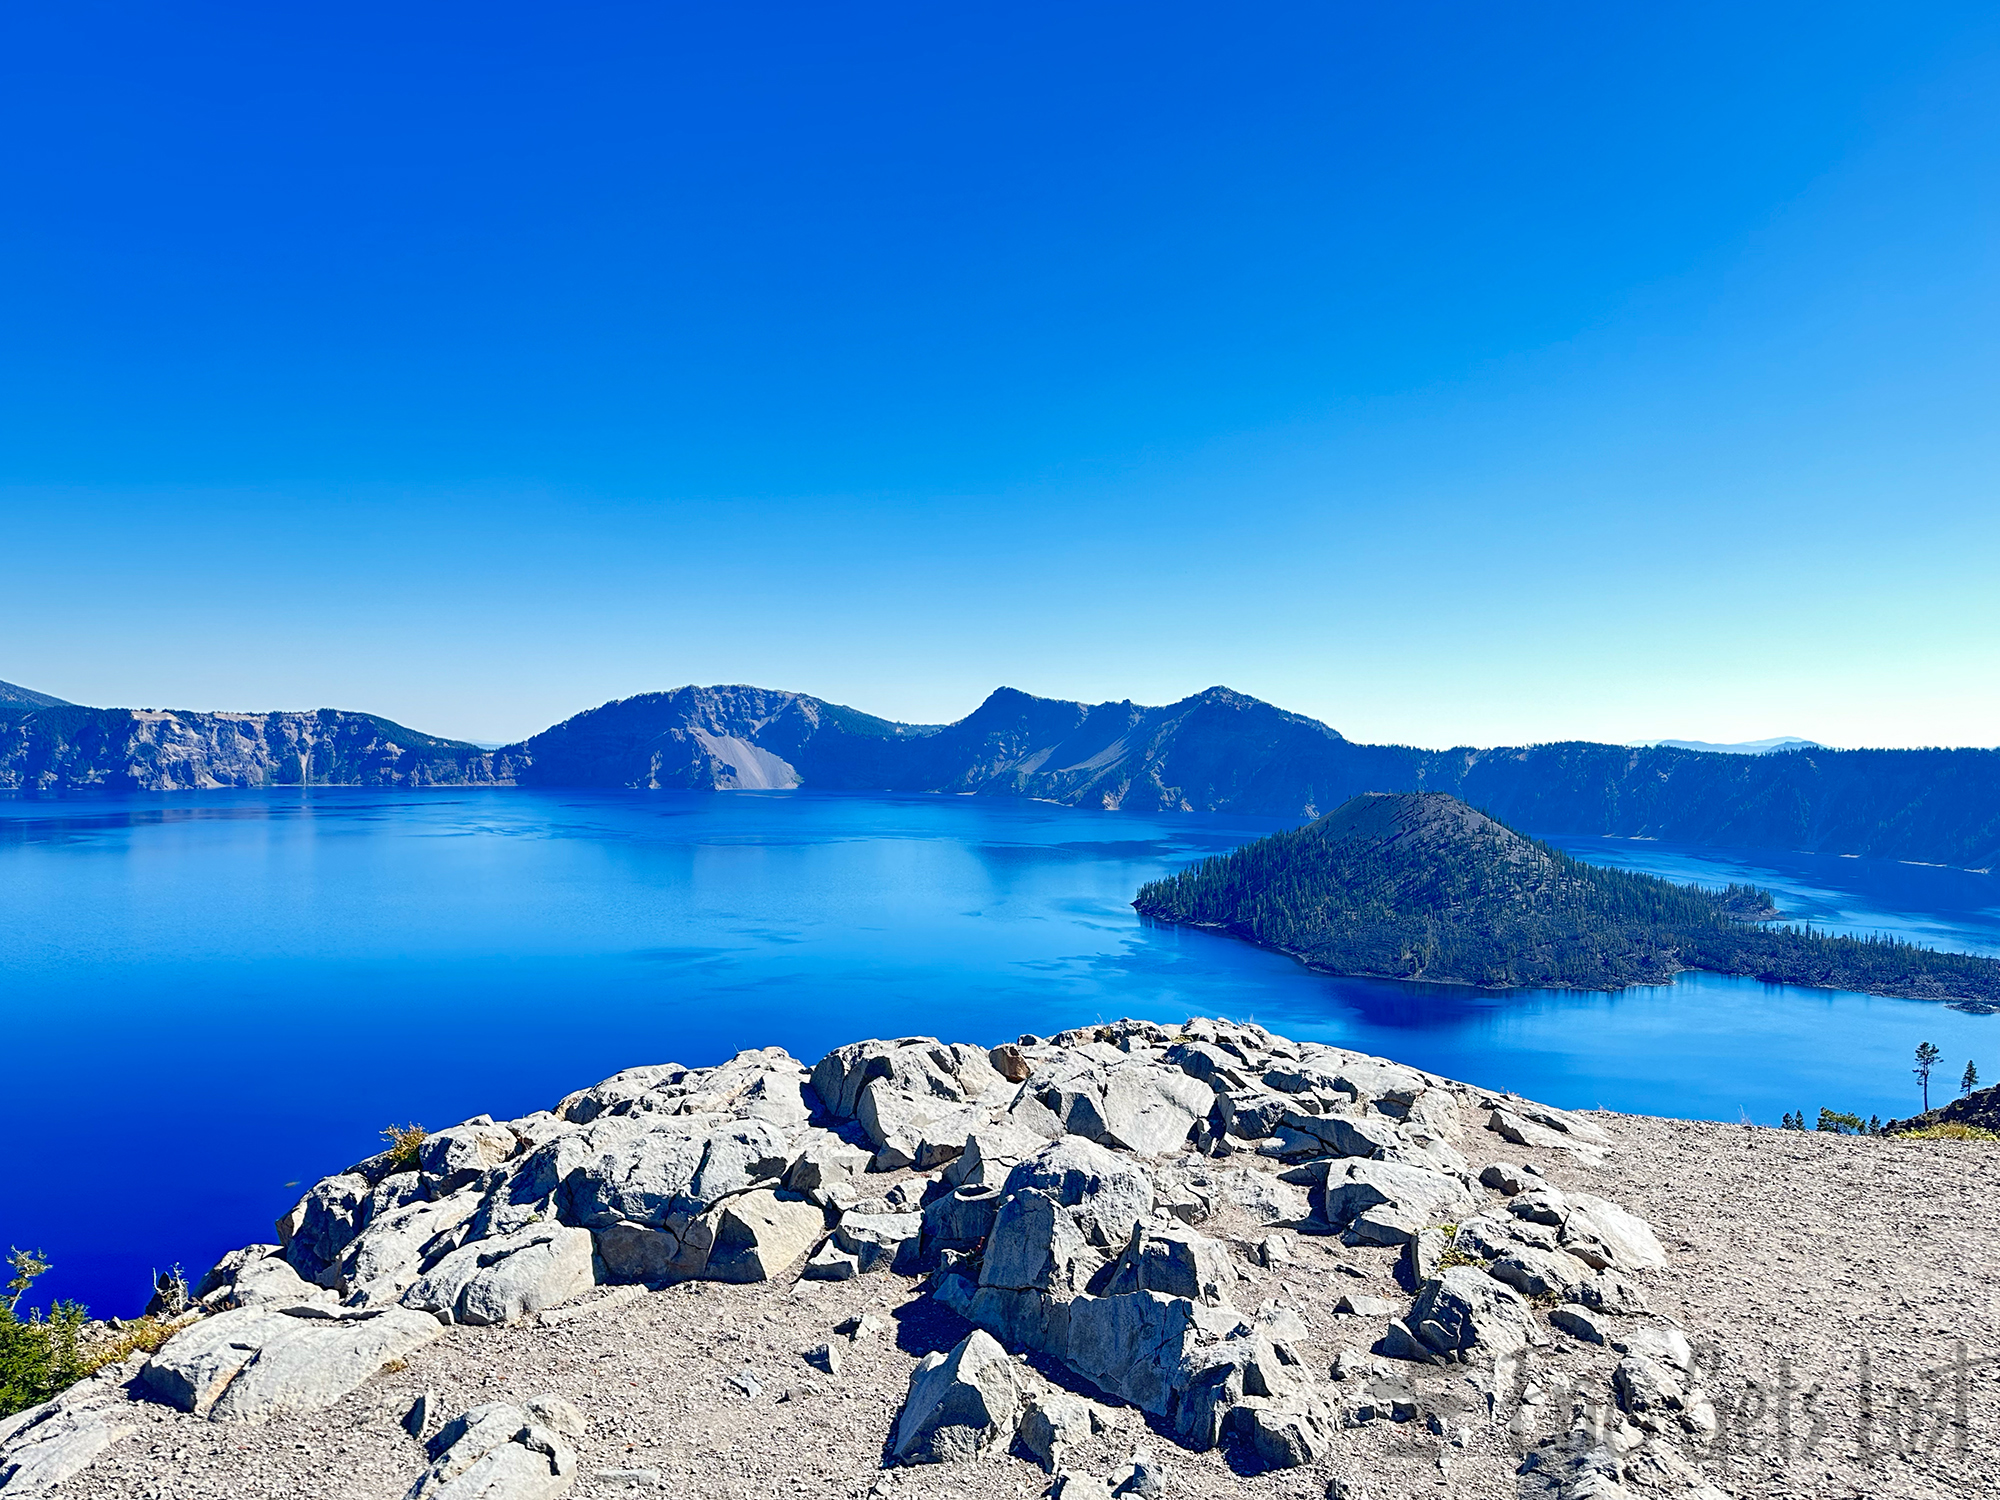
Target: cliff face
123,749
1218,751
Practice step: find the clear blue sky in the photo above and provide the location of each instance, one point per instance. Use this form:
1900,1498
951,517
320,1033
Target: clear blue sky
1454,373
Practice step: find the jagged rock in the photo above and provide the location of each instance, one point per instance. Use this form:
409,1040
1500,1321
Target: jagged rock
212,1291
920,1067
1579,1324
1075,1486
328,1218
1423,1195
824,1357
1423,1252
1360,1305
1504,1177
1540,1205
1151,1109
1037,1245
831,1263
1463,1308
823,1160
387,1257
452,1158
1399,1342
1658,1341
249,1364
888,1242
961,1219
1539,1273
504,1452
1648,1392
508,1278
1264,1197
1107,1195
758,1234
271,1282
1609,1292
1176,1262
1053,1422
1009,1062
1605,1236
959,1403
1141,1479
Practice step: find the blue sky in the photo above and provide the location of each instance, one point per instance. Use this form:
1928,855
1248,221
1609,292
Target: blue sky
1458,374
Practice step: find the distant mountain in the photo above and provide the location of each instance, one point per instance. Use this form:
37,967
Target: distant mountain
1421,886
14,698
1740,747
1218,751
67,748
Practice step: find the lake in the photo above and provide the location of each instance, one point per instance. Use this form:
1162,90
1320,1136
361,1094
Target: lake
210,1000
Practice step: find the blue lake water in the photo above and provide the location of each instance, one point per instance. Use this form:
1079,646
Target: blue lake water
210,999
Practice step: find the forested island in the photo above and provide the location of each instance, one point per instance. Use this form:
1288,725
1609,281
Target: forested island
1422,886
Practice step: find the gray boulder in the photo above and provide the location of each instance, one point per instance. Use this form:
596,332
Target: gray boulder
504,1452
1605,1236
881,1242
1054,1422
1150,1109
760,1233
959,1404
1461,1309
1175,1262
252,1363
1420,1195
1106,1193
1539,1273
387,1257
961,1219
451,1159
1037,1245
47,1444
506,1279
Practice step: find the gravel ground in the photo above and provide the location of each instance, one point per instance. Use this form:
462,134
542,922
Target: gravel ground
1826,1282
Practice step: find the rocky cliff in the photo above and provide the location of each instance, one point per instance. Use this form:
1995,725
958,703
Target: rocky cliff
67,748
1218,751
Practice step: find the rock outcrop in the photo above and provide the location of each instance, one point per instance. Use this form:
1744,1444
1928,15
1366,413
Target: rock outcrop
1061,1195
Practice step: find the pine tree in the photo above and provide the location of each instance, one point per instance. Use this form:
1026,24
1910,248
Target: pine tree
1927,1058
1970,1081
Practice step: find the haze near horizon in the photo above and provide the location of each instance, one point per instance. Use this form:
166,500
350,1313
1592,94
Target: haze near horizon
1450,377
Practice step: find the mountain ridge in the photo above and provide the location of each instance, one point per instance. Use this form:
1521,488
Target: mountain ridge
1215,751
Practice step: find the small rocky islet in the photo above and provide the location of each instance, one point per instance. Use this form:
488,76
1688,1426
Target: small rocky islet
1125,1260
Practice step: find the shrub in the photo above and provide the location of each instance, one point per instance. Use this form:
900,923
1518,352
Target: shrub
1951,1130
39,1357
1837,1123
405,1141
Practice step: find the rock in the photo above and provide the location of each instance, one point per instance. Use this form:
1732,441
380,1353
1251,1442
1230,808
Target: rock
504,1452
1609,1292
1579,1324
1010,1062
1362,1306
1658,1341
824,1357
1176,1262
1605,1236
1422,1253
418,1417
1141,1479
56,1441
959,1404
1539,1273
1401,1343
1107,1194
213,1289
824,1160
760,1233
1264,1197
1462,1308
859,1327
1053,1422
745,1382
1417,1192
1503,1177
961,1220
881,1242
634,1252
506,1279
1648,1392
1383,1398
252,1363
1075,1486
1036,1245
1151,1109
272,1282
916,1067
451,1159
1540,1205
831,1263
627,1481
327,1220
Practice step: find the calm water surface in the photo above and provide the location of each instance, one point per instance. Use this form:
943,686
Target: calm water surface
209,1000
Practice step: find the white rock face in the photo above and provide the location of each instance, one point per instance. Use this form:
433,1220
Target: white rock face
247,1365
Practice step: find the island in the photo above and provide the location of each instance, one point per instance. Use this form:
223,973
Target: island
1423,886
